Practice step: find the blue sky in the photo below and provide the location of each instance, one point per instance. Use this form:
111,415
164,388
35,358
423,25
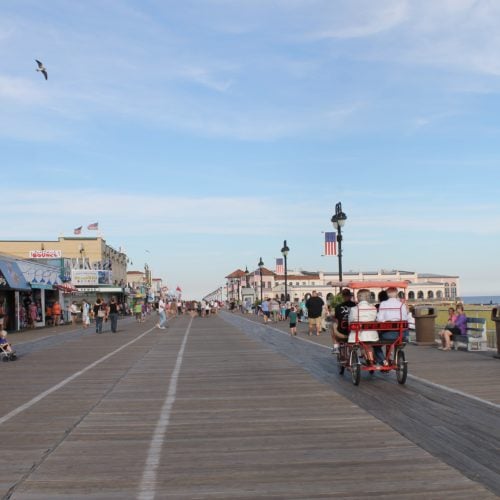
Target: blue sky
209,131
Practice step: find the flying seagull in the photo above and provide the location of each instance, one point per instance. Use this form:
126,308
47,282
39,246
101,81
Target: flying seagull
41,68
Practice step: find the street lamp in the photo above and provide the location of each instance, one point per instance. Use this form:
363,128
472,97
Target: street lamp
284,252
338,221
261,265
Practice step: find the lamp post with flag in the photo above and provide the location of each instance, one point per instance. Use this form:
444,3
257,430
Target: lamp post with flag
338,220
284,252
261,265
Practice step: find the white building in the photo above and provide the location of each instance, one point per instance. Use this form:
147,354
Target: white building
300,284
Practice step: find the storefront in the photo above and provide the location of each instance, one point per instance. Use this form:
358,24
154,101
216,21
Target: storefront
12,284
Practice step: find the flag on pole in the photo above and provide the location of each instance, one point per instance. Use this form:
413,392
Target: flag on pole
178,289
77,230
330,244
93,227
279,266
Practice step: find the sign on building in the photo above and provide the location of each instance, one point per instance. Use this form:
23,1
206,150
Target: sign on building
45,254
89,277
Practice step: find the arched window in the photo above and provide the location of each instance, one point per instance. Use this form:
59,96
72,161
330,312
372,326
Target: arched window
401,294
420,294
372,296
447,290
453,290
430,294
411,295
282,296
439,294
329,296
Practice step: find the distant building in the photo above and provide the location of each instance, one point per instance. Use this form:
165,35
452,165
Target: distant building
300,284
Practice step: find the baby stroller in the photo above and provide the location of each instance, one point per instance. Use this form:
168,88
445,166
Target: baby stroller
6,351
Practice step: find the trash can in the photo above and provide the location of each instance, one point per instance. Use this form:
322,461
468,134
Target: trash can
425,322
495,316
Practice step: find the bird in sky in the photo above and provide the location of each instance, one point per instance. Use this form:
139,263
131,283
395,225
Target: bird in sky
42,68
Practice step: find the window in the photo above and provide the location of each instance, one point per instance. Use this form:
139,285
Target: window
420,294
430,294
411,295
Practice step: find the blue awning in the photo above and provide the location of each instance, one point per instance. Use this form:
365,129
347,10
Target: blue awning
12,276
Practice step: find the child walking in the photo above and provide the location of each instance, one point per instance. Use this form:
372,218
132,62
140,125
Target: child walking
292,316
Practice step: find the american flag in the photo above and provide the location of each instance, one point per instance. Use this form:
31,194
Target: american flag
279,266
93,227
77,230
330,244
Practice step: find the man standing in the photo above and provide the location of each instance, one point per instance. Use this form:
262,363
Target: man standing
340,326
314,307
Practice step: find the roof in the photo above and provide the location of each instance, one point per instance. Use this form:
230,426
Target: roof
236,274
303,277
376,284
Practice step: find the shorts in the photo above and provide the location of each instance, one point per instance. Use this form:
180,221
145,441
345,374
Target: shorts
315,322
266,313
293,325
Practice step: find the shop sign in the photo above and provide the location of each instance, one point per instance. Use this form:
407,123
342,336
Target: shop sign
45,254
86,277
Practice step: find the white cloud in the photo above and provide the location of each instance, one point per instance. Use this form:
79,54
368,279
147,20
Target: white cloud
365,19
20,89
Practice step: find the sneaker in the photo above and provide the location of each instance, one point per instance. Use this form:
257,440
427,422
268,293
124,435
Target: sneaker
335,350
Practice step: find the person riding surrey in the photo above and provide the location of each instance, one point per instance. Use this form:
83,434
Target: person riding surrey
457,327
391,309
361,312
340,325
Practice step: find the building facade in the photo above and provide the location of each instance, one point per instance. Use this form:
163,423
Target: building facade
300,284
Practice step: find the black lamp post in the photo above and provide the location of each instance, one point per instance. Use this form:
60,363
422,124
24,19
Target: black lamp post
261,265
338,221
246,276
284,252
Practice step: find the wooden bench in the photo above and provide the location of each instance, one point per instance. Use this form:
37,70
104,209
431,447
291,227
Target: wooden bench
476,339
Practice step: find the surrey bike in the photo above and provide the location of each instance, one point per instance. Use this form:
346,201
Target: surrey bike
352,355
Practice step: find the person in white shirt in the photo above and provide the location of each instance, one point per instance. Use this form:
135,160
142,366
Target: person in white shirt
364,311
162,324
391,309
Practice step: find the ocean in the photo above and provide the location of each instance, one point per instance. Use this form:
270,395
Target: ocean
482,299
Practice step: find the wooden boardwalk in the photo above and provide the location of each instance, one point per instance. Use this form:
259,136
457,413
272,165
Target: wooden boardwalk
118,416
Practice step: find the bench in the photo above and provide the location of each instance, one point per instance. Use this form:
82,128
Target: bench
476,339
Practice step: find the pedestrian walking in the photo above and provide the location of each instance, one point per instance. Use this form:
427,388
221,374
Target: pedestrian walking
162,324
73,312
99,315
85,314
292,316
56,313
112,314
314,306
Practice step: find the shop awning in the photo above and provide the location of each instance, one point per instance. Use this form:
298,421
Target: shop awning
13,275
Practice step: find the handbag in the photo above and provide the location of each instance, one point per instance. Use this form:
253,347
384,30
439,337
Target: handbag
101,313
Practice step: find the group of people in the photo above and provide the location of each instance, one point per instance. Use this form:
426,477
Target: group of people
456,325
313,309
